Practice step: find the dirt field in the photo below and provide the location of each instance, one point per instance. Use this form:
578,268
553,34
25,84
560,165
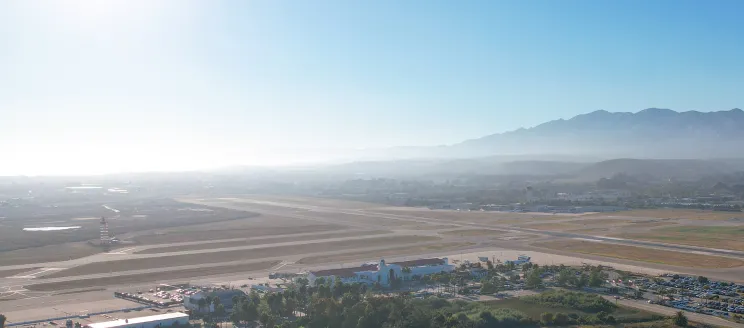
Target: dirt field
716,237
257,242
671,213
643,254
171,276
400,251
237,255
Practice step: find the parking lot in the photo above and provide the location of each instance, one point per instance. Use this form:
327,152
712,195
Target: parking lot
697,294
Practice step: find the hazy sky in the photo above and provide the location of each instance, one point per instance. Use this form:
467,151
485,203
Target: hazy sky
101,86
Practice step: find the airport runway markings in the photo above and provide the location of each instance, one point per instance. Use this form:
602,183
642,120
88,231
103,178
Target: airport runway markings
33,274
122,251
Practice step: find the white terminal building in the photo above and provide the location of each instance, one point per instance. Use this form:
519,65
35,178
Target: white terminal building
384,273
153,321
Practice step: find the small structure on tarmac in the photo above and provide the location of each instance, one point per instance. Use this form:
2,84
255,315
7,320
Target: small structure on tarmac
153,321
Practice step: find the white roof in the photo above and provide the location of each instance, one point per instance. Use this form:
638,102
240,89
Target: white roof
132,321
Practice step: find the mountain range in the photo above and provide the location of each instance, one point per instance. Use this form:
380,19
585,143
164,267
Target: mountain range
650,133
654,142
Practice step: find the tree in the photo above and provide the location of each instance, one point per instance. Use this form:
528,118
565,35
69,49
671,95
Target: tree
582,281
564,277
595,279
202,302
680,319
561,319
487,288
78,325
702,280
514,278
219,310
533,279
2,320
546,318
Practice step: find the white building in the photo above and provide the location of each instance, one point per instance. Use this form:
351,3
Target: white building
522,259
370,273
153,321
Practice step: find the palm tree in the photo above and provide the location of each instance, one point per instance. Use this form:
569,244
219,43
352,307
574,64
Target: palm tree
680,319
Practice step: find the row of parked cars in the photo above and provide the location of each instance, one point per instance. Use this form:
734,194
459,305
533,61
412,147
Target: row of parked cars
713,297
723,306
168,296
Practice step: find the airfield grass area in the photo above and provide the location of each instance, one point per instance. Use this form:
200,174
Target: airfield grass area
399,251
558,226
473,232
244,231
151,277
131,216
10,297
650,224
235,255
10,273
643,254
674,213
465,216
263,241
293,201
714,237
52,253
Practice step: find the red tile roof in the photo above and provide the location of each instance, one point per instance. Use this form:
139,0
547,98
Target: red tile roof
420,262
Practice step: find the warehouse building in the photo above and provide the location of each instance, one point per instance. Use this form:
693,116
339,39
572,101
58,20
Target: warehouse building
153,321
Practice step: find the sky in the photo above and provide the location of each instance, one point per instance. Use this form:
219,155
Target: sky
103,86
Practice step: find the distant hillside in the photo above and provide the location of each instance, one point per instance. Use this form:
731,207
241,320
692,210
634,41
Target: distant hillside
494,165
658,169
650,133
651,169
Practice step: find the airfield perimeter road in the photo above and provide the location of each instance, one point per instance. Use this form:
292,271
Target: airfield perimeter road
246,205
697,317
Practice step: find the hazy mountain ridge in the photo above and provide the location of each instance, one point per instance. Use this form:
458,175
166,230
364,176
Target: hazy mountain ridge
651,133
